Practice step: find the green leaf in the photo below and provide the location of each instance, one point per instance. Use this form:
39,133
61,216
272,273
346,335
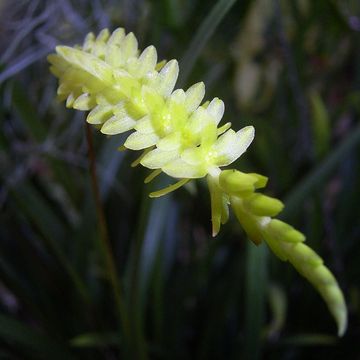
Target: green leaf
320,125
310,340
319,174
91,340
31,340
255,287
202,36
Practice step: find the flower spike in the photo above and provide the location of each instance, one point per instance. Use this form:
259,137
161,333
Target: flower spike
124,90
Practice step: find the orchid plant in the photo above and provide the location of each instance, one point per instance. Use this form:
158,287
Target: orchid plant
179,135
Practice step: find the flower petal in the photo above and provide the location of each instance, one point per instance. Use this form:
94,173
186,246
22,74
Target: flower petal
117,125
157,158
99,114
216,109
167,78
145,63
177,96
139,141
181,169
116,37
194,96
144,125
170,142
230,146
87,62
193,156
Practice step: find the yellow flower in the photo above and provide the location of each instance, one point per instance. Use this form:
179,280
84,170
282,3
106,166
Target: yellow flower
124,90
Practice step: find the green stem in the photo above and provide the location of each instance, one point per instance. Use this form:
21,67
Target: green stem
104,239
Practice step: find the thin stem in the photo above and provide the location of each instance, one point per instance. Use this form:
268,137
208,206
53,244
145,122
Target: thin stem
104,238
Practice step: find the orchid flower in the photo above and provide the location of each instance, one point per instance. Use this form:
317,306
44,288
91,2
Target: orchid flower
127,91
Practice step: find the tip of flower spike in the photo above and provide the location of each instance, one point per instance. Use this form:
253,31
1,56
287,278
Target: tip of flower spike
342,324
337,306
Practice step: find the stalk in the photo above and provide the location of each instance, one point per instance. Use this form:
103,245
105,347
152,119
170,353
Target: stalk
104,239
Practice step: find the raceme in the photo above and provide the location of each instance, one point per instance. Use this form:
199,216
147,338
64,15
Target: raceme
125,91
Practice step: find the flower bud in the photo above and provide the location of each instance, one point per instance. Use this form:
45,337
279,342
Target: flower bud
263,205
235,182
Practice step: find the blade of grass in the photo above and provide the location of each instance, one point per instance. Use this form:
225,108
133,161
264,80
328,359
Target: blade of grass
314,179
31,276
95,340
136,280
255,287
202,36
310,340
11,277
217,329
32,203
110,160
29,339
136,302
157,219
27,113
153,219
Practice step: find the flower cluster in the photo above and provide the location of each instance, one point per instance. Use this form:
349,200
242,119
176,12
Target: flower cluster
179,135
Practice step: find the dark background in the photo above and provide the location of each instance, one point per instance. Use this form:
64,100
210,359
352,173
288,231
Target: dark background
291,69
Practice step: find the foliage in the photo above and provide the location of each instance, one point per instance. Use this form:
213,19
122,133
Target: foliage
186,295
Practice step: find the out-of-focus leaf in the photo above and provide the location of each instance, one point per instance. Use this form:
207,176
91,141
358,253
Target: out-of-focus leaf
202,36
309,340
320,125
247,81
30,340
51,227
256,278
152,222
319,174
95,340
216,324
34,205
159,216
27,113
278,307
176,11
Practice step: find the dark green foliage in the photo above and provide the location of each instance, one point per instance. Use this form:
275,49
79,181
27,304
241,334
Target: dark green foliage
187,295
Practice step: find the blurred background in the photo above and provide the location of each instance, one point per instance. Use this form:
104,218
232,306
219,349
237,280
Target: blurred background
291,69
